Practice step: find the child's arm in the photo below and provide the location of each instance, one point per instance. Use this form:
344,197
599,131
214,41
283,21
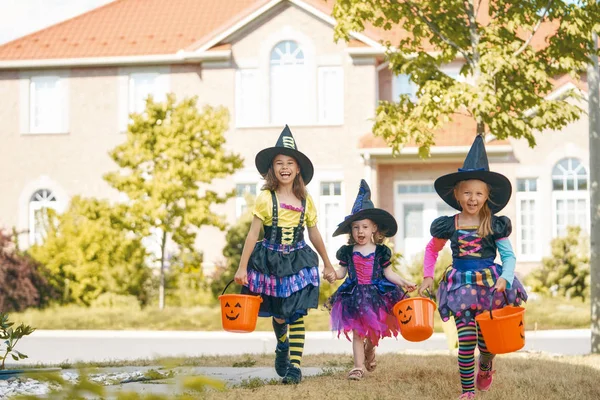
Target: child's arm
341,272
241,276
509,262
432,250
315,238
398,280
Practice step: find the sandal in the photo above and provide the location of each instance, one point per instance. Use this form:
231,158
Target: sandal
356,374
370,363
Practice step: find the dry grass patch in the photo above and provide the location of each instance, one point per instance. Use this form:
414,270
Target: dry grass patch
434,377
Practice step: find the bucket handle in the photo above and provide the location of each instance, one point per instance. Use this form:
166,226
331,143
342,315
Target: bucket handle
492,301
230,282
405,295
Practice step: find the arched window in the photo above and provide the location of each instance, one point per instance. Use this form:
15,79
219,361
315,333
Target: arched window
570,196
39,203
289,84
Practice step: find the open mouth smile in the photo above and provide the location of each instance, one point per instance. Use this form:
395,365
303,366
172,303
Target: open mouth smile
407,321
232,318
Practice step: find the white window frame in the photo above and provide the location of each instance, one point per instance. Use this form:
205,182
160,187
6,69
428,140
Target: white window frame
534,196
566,195
28,103
430,203
48,201
330,105
396,87
244,118
240,201
332,244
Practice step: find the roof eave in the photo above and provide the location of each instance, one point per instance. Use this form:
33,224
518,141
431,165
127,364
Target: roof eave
436,150
179,57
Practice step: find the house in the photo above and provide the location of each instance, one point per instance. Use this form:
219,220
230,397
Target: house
66,93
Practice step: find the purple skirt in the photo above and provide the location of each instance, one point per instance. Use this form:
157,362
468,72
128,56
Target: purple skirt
465,294
366,309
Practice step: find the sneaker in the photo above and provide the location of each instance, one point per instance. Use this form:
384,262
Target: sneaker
484,380
467,396
293,376
282,360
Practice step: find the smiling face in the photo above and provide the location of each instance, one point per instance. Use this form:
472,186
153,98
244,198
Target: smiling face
472,195
286,169
363,230
232,313
405,316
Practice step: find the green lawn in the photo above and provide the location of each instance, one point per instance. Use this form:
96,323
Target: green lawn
545,313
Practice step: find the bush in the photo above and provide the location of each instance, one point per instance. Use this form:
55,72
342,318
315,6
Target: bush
22,279
87,253
567,271
113,300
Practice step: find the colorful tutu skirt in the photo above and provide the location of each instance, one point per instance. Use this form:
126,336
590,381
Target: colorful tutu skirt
286,277
465,294
366,309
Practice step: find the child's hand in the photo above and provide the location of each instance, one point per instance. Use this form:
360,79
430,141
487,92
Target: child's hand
241,276
329,273
500,285
408,285
426,285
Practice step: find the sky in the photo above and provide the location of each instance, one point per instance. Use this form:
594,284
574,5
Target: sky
21,17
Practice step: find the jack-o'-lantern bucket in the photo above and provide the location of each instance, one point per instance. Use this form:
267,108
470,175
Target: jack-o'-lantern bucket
239,312
503,329
415,317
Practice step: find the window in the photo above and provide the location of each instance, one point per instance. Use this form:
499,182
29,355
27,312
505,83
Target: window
242,190
247,103
416,205
289,84
142,85
39,203
570,196
47,104
528,235
331,95
403,85
331,213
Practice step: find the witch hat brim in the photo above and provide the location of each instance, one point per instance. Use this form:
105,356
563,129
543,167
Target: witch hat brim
385,222
285,145
500,188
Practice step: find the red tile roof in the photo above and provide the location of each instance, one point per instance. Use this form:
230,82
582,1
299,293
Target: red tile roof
459,132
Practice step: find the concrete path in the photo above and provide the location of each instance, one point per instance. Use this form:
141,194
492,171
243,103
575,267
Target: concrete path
53,347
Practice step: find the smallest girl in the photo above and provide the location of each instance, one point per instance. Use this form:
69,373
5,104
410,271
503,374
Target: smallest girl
363,303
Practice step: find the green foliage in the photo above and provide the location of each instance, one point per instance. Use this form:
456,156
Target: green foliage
172,154
87,253
232,252
415,268
116,301
567,271
506,79
22,279
10,336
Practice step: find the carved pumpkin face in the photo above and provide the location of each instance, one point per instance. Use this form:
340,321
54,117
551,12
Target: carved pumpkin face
522,332
404,316
230,312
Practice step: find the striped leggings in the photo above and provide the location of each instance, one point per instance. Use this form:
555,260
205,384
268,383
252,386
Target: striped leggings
470,336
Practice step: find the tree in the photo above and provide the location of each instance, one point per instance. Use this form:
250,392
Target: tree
171,154
506,78
87,253
567,271
22,279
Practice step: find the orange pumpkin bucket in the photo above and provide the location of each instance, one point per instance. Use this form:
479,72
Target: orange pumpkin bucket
415,317
503,329
239,312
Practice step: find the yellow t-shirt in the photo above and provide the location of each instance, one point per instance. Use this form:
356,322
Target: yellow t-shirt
263,209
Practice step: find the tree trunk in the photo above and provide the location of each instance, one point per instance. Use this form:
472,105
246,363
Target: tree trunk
161,288
594,115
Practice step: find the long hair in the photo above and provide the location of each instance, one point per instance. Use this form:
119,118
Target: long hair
298,187
378,236
485,214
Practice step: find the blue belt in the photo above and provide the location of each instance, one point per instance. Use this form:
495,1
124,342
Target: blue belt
471,264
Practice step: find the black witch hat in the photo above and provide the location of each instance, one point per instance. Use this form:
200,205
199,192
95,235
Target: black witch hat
476,167
285,145
364,208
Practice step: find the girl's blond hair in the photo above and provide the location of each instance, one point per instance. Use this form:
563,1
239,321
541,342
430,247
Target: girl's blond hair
298,187
485,214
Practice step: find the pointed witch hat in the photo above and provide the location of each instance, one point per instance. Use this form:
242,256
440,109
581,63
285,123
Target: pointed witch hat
285,145
476,166
364,208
